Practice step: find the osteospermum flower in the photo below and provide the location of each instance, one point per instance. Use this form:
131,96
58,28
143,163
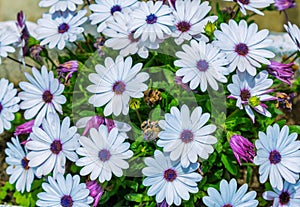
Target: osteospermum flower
242,148
230,196
243,46
289,196
103,154
284,4
152,21
190,19
201,64
115,83
281,71
105,10
42,95
278,155
251,92
294,32
252,5
64,192
121,36
25,128
95,121
56,32
8,104
6,39
51,145
18,169
96,191
168,180
185,135
60,5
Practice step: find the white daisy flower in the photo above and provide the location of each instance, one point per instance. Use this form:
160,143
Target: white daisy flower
121,37
105,10
64,192
229,196
103,154
201,64
252,5
50,145
278,155
56,32
18,169
8,104
115,83
6,39
190,19
42,95
289,196
294,32
185,135
251,92
244,46
60,5
168,180
152,21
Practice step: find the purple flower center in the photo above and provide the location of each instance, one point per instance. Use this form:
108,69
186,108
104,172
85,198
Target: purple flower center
119,87
151,19
183,26
275,157
227,205
202,65
170,175
24,163
47,96
66,201
243,1
1,107
64,27
115,8
104,155
187,136
56,147
245,94
241,49
284,198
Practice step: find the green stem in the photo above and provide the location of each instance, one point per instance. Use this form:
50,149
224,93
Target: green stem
139,116
17,61
151,60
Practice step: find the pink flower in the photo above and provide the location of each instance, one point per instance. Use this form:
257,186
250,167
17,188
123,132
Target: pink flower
284,4
95,191
281,71
93,122
242,148
25,128
67,69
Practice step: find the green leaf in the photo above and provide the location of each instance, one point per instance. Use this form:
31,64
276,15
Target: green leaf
232,169
136,197
294,128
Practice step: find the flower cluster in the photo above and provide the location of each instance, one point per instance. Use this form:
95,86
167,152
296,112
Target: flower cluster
101,105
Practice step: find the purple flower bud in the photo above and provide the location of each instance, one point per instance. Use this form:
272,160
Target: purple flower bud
281,71
178,81
93,122
66,70
24,34
110,124
95,191
25,128
284,4
242,148
163,204
36,51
